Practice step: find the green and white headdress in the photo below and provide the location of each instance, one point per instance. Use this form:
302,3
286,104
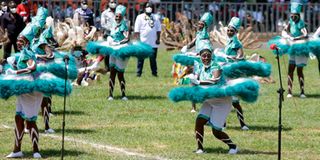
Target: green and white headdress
207,18
296,7
121,9
235,23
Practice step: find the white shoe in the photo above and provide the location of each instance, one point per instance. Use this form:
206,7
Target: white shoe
98,77
110,99
26,130
289,96
193,111
51,115
124,98
15,155
36,155
303,96
49,131
233,151
199,151
84,83
245,128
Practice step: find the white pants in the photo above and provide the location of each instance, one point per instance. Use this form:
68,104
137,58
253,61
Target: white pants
28,105
217,110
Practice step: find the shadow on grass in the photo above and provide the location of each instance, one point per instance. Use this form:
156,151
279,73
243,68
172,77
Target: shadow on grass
260,128
76,131
137,97
69,112
49,153
313,95
241,151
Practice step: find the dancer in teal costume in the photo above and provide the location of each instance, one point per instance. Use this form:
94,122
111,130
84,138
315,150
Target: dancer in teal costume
234,52
119,49
296,30
214,111
29,84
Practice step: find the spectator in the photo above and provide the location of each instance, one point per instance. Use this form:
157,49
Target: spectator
85,13
23,10
69,11
58,13
148,28
4,9
13,23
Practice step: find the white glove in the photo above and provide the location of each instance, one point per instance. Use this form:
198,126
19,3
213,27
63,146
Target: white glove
193,79
291,38
81,69
114,43
184,49
93,66
312,56
10,71
24,19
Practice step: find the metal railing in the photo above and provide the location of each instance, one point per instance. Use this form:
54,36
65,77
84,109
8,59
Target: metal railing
266,18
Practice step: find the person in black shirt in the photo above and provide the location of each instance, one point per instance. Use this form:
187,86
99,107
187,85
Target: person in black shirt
13,23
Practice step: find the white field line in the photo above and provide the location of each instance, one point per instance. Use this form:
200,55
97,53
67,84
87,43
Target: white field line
104,147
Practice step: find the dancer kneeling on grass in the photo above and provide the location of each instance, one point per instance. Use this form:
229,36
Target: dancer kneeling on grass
214,111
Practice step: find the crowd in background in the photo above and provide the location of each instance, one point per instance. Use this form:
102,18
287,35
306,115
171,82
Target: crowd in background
262,15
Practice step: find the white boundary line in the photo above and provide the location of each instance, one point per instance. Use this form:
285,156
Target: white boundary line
104,147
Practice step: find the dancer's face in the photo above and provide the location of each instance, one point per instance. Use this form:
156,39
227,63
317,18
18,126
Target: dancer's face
206,58
200,25
118,18
295,17
21,42
231,31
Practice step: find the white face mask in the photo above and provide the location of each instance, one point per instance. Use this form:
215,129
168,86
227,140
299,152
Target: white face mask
84,6
5,8
13,10
148,10
112,5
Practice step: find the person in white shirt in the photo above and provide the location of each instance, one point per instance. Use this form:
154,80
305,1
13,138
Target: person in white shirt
147,28
107,19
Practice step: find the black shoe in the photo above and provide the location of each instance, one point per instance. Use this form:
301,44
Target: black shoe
138,75
154,75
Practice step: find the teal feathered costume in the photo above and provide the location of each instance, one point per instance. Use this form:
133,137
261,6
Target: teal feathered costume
47,78
139,50
44,82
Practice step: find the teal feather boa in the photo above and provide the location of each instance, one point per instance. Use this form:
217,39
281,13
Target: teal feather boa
134,49
280,42
185,60
246,69
314,45
246,89
97,48
297,49
46,83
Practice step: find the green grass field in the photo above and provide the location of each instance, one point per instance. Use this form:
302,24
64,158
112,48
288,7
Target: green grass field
154,127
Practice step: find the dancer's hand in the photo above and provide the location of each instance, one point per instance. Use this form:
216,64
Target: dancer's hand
115,43
184,49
